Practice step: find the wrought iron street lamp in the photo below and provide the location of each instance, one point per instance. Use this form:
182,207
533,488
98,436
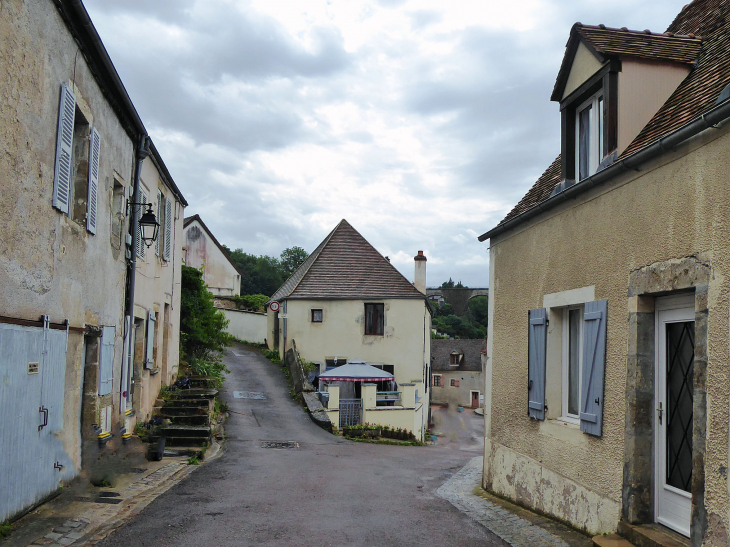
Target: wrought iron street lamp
148,225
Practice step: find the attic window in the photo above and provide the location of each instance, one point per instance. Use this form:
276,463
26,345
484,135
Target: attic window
589,136
454,359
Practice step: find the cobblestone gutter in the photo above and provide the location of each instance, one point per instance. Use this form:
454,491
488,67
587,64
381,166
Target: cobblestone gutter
511,528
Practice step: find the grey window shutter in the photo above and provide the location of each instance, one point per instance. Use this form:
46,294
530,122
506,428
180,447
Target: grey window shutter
106,360
63,171
94,147
168,229
159,219
140,211
150,355
594,365
537,348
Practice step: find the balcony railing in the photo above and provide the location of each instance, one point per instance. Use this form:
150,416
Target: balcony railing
387,398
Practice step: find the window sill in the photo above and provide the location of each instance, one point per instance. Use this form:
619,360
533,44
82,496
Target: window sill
569,420
562,431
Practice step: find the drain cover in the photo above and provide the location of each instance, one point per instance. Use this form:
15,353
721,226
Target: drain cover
279,444
248,395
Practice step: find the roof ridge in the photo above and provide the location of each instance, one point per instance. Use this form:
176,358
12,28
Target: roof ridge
645,32
315,254
304,267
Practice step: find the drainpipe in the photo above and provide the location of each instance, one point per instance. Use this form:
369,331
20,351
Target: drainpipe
128,352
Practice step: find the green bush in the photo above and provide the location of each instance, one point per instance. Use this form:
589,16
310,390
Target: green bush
212,368
202,326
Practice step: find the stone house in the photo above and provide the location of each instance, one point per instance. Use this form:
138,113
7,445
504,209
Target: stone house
201,250
609,280
70,138
457,372
348,302
156,333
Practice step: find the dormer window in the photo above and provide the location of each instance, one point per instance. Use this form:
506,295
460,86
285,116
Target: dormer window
589,124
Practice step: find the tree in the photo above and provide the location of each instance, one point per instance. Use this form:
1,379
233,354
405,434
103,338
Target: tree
202,326
448,284
478,310
291,259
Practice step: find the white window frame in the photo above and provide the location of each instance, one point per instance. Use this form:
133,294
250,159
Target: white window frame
565,388
595,153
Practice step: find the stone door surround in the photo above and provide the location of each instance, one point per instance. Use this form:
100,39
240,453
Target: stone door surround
645,284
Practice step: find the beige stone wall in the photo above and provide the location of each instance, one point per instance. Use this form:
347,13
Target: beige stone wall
675,207
406,343
49,263
457,396
202,253
157,287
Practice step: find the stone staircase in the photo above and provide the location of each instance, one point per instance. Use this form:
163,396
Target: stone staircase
642,535
186,423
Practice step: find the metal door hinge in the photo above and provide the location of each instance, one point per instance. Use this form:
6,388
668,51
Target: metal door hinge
43,410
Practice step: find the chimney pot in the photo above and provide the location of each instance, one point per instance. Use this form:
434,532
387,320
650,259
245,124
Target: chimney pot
420,275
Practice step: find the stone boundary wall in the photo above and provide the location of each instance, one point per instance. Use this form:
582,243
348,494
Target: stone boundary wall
246,325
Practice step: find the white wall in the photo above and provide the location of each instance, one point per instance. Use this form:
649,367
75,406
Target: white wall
246,325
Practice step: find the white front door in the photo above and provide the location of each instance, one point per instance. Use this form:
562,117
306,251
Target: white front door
673,415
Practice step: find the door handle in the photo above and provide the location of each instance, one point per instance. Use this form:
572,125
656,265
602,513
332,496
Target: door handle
661,412
43,410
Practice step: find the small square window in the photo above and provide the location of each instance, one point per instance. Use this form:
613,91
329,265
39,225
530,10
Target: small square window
374,319
454,383
316,316
437,380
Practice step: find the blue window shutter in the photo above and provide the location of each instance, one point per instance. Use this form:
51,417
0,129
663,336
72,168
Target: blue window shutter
150,356
106,360
63,171
594,365
94,146
160,200
141,210
168,230
537,348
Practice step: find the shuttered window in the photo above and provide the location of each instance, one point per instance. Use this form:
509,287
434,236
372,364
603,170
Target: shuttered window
160,208
168,230
594,365
91,203
150,353
106,360
537,347
140,211
63,170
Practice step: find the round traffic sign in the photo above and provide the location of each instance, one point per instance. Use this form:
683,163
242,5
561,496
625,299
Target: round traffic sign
274,306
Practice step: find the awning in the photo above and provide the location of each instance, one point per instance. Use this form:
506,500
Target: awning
354,372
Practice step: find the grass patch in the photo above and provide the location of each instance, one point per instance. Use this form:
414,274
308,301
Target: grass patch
211,367
5,529
193,460
272,355
384,441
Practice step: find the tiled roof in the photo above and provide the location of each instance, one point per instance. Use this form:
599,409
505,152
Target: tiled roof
699,90
696,95
471,350
539,192
345,266
644,44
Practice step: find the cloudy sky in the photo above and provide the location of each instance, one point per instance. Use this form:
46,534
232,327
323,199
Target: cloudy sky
422,122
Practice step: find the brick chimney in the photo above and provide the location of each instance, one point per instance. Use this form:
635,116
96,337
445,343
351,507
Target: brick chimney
419,280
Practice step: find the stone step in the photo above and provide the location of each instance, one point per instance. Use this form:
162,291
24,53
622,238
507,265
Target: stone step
200,419
652,535
192,402
613,540
194,393
182,442
173,430
187,451
181,411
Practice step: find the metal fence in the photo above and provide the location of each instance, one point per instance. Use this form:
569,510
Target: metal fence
350,412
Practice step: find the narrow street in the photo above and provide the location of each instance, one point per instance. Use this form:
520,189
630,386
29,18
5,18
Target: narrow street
328,491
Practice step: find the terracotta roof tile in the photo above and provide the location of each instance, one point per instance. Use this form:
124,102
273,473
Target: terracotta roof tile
697,94
346,266
644,44
539,192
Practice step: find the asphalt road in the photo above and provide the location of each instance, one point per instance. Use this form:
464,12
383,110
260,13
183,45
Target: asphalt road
329,491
